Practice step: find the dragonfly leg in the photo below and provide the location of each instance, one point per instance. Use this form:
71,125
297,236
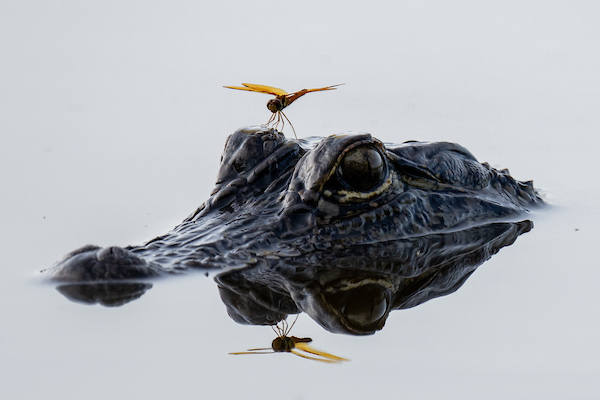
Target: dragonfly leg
290,122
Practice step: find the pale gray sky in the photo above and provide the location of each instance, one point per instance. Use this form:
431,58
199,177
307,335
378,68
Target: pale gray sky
112,121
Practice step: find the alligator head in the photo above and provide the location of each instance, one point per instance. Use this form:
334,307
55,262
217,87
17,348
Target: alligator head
279,199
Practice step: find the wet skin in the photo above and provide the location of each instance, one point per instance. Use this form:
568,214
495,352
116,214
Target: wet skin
277,198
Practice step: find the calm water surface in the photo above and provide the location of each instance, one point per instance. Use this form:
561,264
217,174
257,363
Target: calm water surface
113,121
524,323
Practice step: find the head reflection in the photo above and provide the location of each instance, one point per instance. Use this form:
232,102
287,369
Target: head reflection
354,294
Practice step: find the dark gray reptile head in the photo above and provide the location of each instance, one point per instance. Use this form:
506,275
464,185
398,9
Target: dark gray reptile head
278,200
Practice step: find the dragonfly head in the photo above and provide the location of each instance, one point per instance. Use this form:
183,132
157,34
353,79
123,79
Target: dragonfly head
282,344
275,105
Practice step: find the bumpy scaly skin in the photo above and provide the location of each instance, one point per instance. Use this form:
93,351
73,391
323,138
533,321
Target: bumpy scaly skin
276,198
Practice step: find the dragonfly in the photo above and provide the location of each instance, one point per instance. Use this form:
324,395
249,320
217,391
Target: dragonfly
281,101
292,344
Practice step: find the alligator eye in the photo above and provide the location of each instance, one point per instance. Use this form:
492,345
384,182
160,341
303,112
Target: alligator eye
362,168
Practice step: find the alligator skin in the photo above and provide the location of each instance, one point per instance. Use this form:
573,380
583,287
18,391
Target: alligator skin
307,205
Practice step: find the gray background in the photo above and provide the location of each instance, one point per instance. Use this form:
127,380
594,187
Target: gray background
112,121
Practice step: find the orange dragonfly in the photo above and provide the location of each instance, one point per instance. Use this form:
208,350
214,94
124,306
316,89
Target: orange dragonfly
292,344
280,102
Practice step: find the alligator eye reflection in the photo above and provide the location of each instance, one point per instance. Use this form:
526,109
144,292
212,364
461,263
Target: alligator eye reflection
362,168
366,306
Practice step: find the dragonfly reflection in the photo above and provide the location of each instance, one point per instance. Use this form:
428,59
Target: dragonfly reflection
292,344
280,102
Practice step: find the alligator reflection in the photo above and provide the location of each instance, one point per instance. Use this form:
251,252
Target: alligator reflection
112,294
354,294
351,294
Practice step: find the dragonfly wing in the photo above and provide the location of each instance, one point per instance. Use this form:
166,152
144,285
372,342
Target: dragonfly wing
240,88
266,89
255,351
308,349
251,87
295,352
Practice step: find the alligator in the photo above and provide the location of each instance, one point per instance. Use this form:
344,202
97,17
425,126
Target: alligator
277,200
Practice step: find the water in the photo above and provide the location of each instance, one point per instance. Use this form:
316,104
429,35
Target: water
113,121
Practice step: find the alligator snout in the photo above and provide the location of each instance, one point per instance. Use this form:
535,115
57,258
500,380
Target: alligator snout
92,264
